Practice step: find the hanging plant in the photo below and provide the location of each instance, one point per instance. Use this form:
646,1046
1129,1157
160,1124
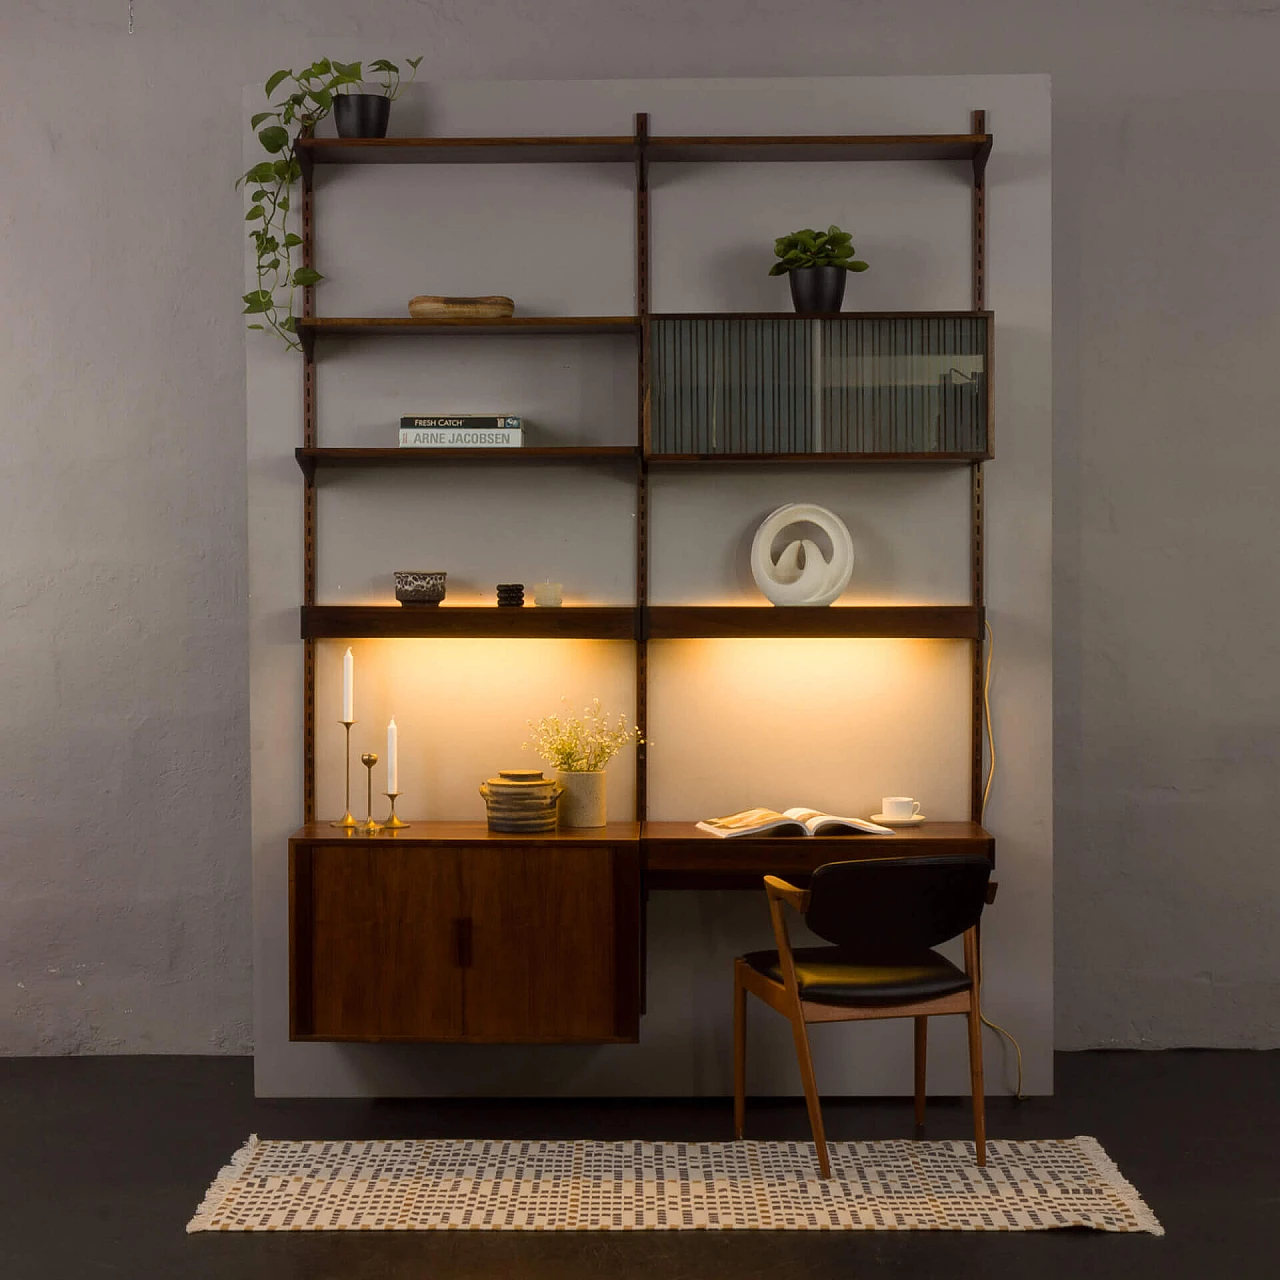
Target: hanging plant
308,98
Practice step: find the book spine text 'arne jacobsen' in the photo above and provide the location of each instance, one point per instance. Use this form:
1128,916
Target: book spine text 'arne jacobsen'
460,431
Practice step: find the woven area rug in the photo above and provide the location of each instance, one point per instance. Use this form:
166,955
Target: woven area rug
669,1186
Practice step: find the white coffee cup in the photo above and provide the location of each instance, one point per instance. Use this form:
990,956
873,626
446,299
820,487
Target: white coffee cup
899,808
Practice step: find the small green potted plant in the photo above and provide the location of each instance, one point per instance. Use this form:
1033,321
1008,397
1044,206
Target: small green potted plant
365,115
580,748
817,264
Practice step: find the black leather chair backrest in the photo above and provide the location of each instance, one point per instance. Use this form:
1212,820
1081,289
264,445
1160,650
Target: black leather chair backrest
881,907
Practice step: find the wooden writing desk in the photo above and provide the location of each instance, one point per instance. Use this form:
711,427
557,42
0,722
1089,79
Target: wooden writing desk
676,855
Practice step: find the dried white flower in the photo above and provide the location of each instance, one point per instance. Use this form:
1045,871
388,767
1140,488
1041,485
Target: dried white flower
581,744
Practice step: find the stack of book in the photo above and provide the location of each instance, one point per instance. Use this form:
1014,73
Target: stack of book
460,431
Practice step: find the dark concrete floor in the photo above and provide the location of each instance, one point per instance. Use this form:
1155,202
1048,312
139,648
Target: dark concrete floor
103,1160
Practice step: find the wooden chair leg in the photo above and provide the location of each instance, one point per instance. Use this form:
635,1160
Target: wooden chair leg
811,1101
977,1085
739,1051
922,1043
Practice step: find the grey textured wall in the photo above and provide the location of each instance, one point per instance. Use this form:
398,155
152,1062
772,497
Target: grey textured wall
124,911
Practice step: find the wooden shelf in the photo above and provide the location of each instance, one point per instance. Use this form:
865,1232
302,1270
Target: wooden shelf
434,832
809,148
821,315
313,327
679,856
926,621
349,622
593,150
665,622
621,149
370,326
310,459
940,459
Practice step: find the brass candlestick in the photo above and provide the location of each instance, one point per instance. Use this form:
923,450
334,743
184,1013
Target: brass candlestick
393,823
369,826
347,820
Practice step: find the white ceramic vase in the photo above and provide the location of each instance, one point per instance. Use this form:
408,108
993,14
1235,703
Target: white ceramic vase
582,802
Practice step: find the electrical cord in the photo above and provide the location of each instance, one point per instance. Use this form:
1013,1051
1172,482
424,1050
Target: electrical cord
986,791
986,717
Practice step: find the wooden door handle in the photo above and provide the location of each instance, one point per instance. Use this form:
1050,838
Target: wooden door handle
462,942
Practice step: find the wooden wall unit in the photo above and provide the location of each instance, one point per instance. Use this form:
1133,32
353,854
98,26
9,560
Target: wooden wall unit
444,932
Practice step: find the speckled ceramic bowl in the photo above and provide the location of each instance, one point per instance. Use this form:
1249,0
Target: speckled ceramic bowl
417,586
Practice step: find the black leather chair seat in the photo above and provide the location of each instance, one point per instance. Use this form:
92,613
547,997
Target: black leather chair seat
830,976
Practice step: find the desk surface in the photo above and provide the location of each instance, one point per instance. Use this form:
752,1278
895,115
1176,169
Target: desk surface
676,855
679,856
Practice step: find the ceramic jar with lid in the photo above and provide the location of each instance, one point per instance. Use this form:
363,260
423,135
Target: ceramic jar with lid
521,801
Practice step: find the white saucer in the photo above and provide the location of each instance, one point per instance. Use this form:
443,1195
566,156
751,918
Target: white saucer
914,821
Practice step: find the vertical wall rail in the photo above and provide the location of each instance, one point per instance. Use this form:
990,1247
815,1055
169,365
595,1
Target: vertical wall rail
642,473
643,432
308,508
978,128
977,539
978,590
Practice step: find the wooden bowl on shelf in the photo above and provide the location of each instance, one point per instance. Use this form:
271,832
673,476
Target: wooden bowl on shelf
430,307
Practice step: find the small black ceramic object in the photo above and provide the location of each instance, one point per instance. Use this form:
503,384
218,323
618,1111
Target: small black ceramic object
817,290
361,115
511,595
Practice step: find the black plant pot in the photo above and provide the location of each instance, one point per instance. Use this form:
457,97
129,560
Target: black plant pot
817,289
361,115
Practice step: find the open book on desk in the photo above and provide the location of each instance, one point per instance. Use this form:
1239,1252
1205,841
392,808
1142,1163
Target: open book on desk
790,822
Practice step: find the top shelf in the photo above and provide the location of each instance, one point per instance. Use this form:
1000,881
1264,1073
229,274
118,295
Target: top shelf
807,149
624,149
601,150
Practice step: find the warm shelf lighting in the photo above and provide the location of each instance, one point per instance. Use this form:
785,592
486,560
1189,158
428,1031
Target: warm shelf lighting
461,707
833,723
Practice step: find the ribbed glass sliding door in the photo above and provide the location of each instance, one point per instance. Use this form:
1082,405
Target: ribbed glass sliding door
853,384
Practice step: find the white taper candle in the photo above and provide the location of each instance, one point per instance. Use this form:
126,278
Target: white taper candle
393,771
348,687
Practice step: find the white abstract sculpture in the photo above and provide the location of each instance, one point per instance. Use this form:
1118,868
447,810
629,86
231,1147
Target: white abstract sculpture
785,581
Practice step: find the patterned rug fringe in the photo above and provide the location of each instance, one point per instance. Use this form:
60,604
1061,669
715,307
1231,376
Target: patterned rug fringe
531,1185
221,1186
1147,1221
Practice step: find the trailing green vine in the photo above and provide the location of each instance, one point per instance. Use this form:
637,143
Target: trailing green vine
308,101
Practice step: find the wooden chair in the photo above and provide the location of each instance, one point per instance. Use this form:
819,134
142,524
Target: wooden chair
884,916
